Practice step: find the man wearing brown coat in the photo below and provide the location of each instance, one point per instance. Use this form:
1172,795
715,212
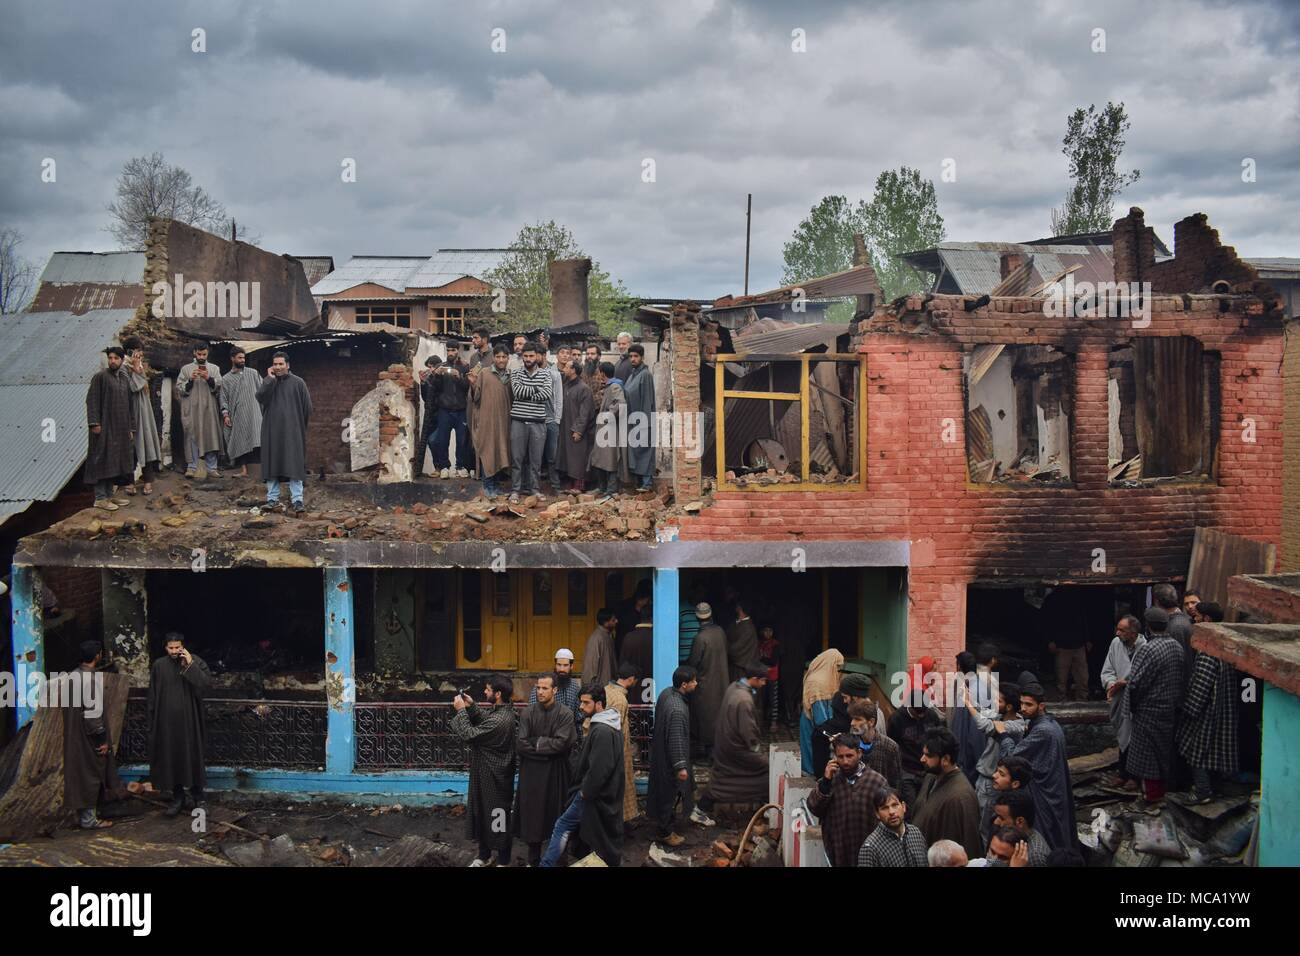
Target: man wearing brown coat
489,420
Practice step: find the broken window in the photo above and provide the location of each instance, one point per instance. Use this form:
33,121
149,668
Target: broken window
1163,401
281,620
788,421
1019,406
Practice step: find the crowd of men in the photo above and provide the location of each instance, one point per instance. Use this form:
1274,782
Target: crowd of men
521,415
239,416
984,782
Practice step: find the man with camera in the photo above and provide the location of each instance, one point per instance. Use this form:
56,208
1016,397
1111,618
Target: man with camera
489,733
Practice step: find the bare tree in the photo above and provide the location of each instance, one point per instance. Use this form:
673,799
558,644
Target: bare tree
17,275
149,187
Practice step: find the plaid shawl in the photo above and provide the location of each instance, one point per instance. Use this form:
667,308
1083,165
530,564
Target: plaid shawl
848,813
1207,734
1155,689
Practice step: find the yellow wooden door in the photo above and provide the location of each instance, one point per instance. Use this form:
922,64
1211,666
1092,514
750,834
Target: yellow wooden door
542,614
500,621
559,610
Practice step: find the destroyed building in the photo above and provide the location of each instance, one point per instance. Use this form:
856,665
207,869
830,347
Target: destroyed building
903,486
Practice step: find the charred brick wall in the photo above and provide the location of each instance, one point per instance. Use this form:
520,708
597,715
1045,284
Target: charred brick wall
687,471
963,533
337,376
1200,259
77,589
1289,558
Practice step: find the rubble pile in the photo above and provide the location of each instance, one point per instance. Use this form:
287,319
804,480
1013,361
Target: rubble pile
772,476
1122,832
234,511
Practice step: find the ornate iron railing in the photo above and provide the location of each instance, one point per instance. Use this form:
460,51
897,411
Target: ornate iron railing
253,734
259,734
418,736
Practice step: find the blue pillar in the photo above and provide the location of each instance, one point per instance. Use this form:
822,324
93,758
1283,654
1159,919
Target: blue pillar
28,636
667,625
1279,818
340,672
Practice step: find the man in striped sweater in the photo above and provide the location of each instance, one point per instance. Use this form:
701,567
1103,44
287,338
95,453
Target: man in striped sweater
530,391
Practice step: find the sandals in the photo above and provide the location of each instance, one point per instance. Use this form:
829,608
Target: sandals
97,825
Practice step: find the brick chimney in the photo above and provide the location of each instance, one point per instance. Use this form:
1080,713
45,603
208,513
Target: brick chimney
1010,262
569,291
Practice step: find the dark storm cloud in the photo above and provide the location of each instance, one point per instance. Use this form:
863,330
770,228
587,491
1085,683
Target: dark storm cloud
457,145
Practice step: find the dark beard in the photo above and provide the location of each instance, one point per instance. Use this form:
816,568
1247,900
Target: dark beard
562,680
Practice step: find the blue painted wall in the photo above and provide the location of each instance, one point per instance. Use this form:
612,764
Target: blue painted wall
1279,815
667,622
28,636
340,672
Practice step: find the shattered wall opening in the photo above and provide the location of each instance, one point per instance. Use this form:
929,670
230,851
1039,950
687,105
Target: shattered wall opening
1019,410
1023,620
787,420
255,628
1163,400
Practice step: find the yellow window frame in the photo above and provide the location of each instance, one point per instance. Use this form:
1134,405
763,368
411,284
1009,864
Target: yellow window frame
803,396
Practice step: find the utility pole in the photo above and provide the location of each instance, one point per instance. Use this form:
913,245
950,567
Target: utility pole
749,209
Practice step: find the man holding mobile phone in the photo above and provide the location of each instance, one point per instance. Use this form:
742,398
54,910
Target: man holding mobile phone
177,683
203,412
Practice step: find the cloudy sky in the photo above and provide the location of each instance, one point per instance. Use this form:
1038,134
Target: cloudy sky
458,145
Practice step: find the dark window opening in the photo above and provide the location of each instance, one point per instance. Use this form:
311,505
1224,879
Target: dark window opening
1023,621
1019,408
251,620
471,597
1163,409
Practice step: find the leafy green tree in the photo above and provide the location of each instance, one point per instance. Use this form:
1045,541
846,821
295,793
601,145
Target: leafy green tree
525,276
903,216
1093,142
823,243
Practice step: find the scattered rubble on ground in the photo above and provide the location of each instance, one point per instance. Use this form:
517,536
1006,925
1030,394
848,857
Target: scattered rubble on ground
773,477
233,511
1121,831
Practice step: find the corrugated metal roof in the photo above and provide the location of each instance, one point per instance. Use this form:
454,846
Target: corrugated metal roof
762,339
858,280
40,348
976,267
400,273
448,265
10,508
46,361
126,268
316,267
391,272
1276,267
